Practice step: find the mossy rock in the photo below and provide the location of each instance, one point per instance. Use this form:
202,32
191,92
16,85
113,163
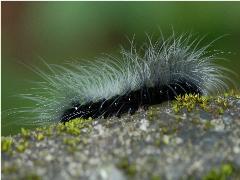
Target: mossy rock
193,137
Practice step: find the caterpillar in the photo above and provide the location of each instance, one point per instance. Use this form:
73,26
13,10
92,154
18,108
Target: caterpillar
111,86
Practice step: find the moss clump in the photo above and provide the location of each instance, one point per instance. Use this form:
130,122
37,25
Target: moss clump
6,144
128,168
166,139
45,131
39,136
163,140
158,142
233,93
165,130
25,133
224,172
221,102
71,128
10,169
22,146
155,177
32,176
189,101
60,128
71,143
196,121
216,105
208,125
152,112
74,127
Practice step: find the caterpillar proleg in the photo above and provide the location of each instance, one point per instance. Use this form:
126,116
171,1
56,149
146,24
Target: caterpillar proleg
112,86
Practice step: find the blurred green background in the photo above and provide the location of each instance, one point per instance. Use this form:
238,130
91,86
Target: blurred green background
63,31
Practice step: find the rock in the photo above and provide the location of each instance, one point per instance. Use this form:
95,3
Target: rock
155,144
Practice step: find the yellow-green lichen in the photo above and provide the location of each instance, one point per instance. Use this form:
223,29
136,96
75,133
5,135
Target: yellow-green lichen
223,173
6,144
32,176
152,112
60,128
189,101
26,137
208,125
71,128
196,121
9,169
162,139
71,143
128,168
25,133
222,104
74,127
39,136
158,142
234,93
22,146
166,139
48,132
221,101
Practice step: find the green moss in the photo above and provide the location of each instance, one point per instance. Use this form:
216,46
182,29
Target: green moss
128,168
32,176
196,121
71,128
60,128
6,144
152,113
9,169
48,132
163,140
221,101
178,119
165,130
224,172
25,133
166,139
39,136
74,127
208,125
189,102
234,93
22,146
158,142
71,143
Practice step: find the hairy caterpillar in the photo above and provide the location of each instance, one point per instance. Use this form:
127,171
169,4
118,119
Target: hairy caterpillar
111,86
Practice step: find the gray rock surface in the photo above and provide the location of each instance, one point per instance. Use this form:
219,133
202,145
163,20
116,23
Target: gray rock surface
154,144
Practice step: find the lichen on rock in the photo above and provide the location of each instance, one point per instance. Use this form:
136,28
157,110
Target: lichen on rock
194,136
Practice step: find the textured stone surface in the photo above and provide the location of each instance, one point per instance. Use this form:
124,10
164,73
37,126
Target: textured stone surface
156,144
